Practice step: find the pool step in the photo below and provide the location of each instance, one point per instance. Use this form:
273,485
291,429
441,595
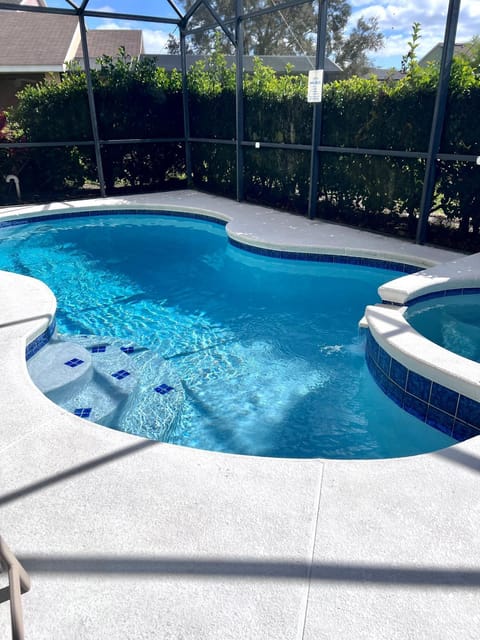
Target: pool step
98,402
109,382
60,370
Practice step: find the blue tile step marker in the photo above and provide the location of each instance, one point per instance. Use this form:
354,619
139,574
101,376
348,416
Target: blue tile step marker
60,370
114,381
110,382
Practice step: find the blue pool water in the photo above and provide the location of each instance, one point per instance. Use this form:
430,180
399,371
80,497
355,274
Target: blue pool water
452,321
268,350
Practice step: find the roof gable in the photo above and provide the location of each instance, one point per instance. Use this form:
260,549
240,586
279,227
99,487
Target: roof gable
435,54
108,41
36,39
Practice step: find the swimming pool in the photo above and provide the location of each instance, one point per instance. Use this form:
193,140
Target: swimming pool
267,349
451,321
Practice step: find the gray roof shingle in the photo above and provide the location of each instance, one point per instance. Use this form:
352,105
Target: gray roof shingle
35,39
108,41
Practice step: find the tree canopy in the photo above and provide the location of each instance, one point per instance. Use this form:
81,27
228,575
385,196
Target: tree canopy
290,31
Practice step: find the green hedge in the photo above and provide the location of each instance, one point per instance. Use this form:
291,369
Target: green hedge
136,100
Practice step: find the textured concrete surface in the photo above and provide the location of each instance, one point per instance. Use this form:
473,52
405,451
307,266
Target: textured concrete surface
128,539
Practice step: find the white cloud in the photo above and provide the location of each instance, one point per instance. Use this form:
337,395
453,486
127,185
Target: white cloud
155,40
112,26
397,17
107,8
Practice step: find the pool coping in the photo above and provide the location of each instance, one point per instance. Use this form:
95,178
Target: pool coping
210,537
416,373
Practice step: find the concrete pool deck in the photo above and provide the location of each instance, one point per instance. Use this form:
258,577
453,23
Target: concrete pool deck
127,538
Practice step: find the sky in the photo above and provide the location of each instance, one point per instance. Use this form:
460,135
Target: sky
395,19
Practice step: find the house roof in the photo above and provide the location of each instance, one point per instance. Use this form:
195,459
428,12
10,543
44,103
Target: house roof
39,42
108,41
301,64
435,53
383,75
36,41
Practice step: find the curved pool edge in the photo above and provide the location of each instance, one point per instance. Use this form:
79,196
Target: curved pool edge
253,227
350,527
386,257
462,272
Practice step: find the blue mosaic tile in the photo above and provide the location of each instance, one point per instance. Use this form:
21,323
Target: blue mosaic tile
98,348
372,347
392,304
462,431
395,393
181,214
163,389
384,360
104,211
425,297
410,268
74,362
381,379
398,373
469,411
121,374
415,406
325,257
83,412
440,413
418,386
440,420
472,291
444,399
442,294
127,349
40,341
389,388
370,362
333,258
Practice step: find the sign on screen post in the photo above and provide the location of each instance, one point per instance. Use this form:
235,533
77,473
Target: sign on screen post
315,85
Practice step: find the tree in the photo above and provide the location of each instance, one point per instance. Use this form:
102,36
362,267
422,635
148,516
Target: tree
472,55
290,31
338,15
352,50
409,60
173,45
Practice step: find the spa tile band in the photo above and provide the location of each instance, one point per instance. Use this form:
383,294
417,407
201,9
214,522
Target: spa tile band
440,407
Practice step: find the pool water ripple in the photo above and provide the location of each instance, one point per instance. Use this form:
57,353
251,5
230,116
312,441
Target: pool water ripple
268,350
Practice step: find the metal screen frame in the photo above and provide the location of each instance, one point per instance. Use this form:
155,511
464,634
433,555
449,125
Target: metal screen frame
233,28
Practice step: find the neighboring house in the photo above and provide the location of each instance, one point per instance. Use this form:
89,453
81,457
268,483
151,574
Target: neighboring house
34,45
435,54
107,42
300,64
384,75
31,46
